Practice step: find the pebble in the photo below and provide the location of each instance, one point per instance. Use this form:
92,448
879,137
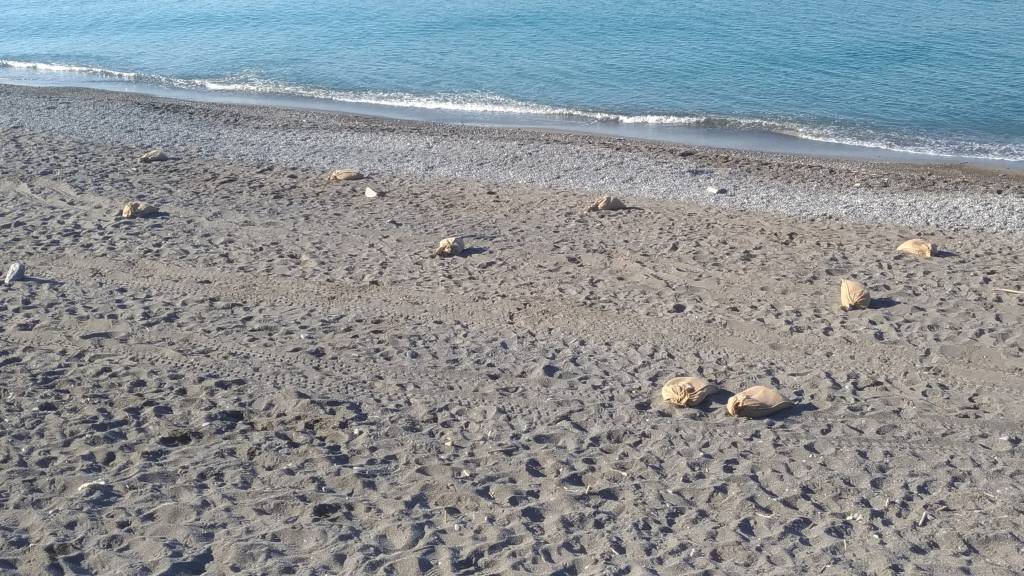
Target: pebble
716,190
344,175
371,193
153,156
15,273
87,486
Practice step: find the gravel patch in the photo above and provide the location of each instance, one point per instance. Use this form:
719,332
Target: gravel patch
928,195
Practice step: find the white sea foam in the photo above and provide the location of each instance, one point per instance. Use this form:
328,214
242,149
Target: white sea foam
474,102
484,104
66,68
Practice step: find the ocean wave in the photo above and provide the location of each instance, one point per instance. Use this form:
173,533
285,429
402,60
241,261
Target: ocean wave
484,104
67,68
471,102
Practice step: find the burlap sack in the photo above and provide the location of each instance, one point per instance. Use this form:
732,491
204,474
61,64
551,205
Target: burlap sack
449,247
757,401
853,295
917,247
607,203
153,156
687,391
137,210
343,175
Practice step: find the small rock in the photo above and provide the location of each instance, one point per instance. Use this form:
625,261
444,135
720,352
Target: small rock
371,193
88,487
343,175
716,190
15,273
153,156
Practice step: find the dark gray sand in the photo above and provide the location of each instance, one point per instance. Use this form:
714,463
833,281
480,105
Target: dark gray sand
272,376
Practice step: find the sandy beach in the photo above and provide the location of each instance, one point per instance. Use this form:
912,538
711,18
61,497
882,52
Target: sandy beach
273,376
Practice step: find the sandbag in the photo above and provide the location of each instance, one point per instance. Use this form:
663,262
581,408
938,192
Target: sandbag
449,247
153,156
343,175
917,247
757,401
687,391
607,203
137,210
853,295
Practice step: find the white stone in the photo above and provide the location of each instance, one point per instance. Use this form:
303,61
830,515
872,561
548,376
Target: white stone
92,483
153,156
15,272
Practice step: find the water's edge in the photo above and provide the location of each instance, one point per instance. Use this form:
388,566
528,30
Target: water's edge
749,135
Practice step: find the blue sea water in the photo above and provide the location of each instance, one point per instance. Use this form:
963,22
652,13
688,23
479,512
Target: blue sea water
931,77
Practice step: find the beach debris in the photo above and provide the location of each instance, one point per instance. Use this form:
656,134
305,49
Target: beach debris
607,203
15,273
1009,291
716,190
87,486
853,295
449,247
757,401
917,247
344,175
687,391
136,209
371,193
153,156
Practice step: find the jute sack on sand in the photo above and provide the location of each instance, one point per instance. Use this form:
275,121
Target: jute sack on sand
137,210
757,401
343,175
853,295
687,391
917,247
607,203
449,247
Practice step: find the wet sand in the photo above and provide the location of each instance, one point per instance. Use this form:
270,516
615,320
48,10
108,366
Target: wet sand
272,376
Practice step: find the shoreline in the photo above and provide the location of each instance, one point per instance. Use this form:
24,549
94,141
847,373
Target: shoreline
936,196
748,139
273,376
